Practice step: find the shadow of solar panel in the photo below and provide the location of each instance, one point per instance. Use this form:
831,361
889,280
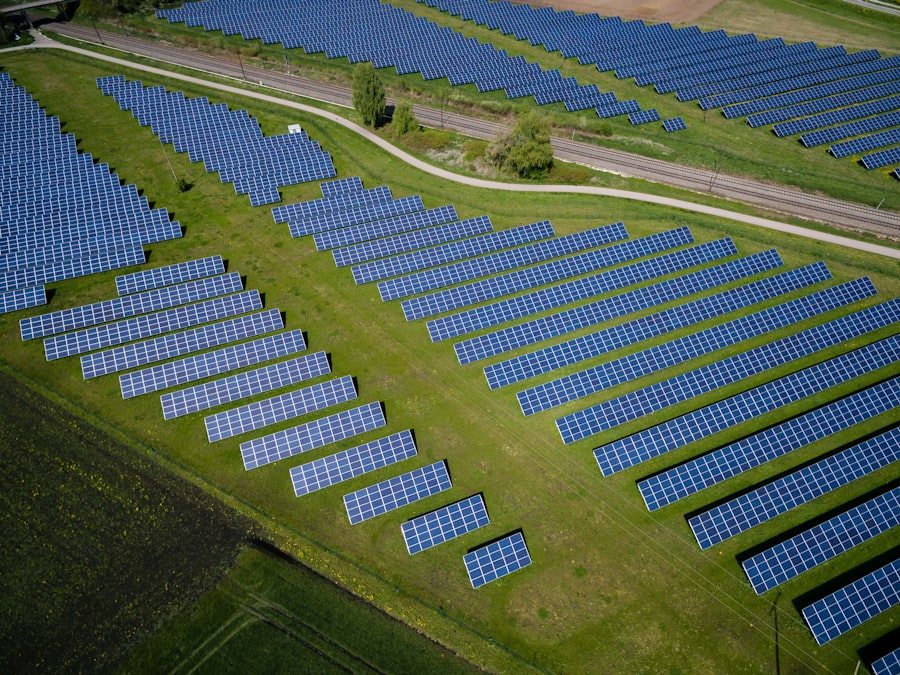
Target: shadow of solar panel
22,298
397,492
279,408
821,543
554,325
444,524
693,426
354,234
854,604
362,459
127,306
686,479
354,216
243,385
311,435
594,344
589,421
496,559
627,368
70,269
573,291
178,344
146,280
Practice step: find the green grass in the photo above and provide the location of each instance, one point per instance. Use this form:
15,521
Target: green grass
612,587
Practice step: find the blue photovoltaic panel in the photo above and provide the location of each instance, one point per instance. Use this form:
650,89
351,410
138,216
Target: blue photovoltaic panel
69,269
447,253
128,306
748,453
620,108
889,664
354,234
170,346
342,202
644,116
279,408
341,466
633,366
674,124
636,404
355,216
578,289
449,522
502,261
866,143
108,335
863,126
333,188
567,321
242,385
497,559
881,158
721,415
311,435
22,298
170,274
855,603
588,346
396,492
201,366
409,241
799,487
821,543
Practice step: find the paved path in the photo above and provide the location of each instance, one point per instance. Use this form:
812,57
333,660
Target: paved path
43,41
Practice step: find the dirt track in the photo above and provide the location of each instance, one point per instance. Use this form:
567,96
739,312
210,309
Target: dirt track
674,11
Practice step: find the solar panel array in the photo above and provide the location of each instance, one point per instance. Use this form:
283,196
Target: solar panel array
497,559
842,131
745,511
62,215
634,405
644,116
242,385
263,413
339,202
866,143
729,412
197,367
354,234
444,524
334,188
889,664
859,601
822,542
686,479
674,124
843,117
228,142
362,459
876,160
168,275
396,492
362,213
311,435
554,325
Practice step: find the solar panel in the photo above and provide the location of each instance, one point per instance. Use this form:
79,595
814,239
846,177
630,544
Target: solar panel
686,479
362,459
396,492
726,413
497,559
308,209
359,214
567,321
865,143
631,406
22,298
70,269
209,364
128,330
889,664
593,344
444,524
674,124
243,385
178,344
876,160
279,408
354,234
573,291
816,545
859,601
501,261
741,513
653,359
170,274
333,188
644,116
127,306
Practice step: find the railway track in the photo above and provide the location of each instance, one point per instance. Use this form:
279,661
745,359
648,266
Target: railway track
773,198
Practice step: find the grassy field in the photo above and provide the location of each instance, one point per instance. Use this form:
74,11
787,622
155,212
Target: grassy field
612,588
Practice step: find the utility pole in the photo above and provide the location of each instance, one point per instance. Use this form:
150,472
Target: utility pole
241,63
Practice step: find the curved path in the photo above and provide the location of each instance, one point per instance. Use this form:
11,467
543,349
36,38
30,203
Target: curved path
41,41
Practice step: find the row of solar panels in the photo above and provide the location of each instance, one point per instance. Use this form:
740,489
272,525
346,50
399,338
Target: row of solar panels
490,266
229,142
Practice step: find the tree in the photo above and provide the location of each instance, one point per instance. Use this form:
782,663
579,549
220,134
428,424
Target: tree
368,94
526,150
403,120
